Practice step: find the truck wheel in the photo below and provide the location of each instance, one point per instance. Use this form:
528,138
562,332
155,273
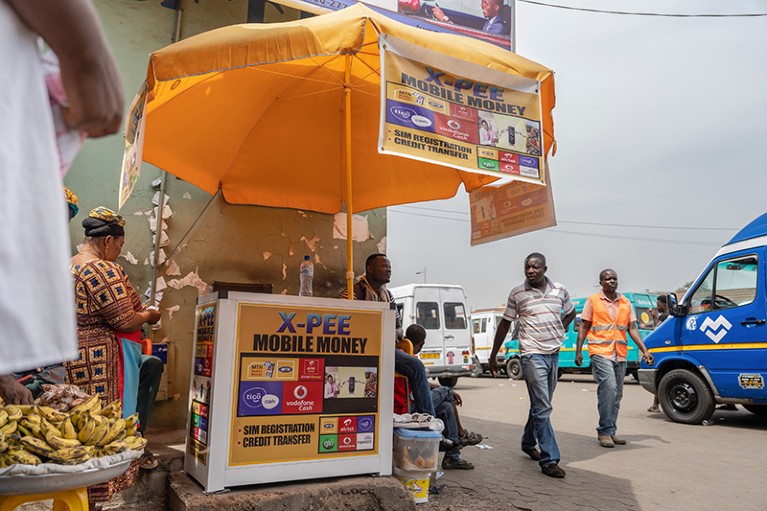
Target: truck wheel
685,397
760,410
448,381
514,369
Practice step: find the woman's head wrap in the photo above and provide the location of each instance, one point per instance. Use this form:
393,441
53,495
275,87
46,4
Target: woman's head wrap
71,202
104,222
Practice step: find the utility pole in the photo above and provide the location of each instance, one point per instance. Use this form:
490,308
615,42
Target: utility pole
422,272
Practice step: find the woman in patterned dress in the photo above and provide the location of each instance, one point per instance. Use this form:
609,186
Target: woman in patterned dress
109,318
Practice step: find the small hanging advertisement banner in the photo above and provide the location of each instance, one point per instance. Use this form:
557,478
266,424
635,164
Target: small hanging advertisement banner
509,210
306,384
134,143
450,112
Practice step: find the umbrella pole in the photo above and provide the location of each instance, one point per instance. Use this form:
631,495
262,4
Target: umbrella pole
348,165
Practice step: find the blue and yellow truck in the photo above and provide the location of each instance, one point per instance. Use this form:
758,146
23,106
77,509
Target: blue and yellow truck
713,347
643,303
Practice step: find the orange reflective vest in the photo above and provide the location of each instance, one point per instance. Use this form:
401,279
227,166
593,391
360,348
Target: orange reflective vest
605,335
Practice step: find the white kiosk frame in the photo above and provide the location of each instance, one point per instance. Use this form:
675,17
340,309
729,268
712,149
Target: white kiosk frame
216,473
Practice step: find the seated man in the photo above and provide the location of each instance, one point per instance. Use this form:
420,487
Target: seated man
445,401
372,287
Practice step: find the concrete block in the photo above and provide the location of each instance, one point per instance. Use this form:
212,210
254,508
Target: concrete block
361,493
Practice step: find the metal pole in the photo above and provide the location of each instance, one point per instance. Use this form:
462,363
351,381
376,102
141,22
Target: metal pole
348,165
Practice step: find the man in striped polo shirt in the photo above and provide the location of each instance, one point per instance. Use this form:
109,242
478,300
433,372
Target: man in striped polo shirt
543,310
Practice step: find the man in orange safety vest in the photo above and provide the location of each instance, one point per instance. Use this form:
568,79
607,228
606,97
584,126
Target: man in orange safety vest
606,318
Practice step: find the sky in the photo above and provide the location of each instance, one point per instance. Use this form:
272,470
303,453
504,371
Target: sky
661,122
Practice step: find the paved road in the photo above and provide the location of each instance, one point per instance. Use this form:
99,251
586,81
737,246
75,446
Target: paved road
665,466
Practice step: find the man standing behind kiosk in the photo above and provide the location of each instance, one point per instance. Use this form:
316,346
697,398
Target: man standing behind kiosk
544,311
372,287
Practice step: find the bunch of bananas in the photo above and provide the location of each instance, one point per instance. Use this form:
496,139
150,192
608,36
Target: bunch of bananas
34,434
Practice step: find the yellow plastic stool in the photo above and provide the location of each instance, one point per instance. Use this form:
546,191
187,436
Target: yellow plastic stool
66,500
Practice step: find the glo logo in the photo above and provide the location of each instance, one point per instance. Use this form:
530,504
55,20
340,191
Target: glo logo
488,165
328,443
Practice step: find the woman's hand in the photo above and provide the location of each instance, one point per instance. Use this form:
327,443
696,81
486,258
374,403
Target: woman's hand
153,315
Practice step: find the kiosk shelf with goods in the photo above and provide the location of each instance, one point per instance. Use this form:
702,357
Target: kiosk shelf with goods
289,388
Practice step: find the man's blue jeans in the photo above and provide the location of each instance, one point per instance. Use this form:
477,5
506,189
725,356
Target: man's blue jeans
540,373
412,368
609,376
443,403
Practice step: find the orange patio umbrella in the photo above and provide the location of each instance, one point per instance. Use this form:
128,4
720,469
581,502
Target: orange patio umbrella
287,114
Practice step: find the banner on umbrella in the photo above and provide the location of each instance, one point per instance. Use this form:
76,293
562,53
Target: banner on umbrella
440,109
492,21
510,210
134,142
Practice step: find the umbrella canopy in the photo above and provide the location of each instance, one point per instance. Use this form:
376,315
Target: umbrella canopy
257,110
287,114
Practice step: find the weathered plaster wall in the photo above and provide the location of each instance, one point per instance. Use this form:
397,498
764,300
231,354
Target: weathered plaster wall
221,242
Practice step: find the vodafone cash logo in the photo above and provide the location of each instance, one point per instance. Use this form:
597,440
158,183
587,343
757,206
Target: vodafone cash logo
453,124
300,392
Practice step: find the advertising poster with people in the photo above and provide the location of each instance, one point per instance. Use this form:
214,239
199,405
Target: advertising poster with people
488,20
305,384
438,109
510,210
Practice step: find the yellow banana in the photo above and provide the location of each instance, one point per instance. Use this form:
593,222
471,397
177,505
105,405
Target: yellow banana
51,414
137,443
25,409
68,430
21,430
70,455
36,446
88,405
98,435
115,429
23,457
117,447
33,418
131,425
9,428
87,430
30,427
58,442
14,412
49,429
3,443
113,409
3,418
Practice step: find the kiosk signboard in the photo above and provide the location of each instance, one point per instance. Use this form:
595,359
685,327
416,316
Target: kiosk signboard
289,388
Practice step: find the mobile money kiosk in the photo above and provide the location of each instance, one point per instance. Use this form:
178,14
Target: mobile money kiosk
289,388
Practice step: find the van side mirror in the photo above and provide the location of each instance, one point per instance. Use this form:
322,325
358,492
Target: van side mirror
674,307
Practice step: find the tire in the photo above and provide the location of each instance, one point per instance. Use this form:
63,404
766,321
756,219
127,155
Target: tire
514,369
760,410
634,374
685,397
448,381
560,372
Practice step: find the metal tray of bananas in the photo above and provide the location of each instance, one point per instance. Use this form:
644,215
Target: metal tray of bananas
91,472
44,449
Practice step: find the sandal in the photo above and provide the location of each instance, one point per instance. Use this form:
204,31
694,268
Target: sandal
470,438
456,464
147,461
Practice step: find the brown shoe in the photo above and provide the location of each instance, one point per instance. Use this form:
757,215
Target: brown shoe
553,470
606,441
534,453
618,440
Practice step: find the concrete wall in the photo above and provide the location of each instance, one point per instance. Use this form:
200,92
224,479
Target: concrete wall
212,240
